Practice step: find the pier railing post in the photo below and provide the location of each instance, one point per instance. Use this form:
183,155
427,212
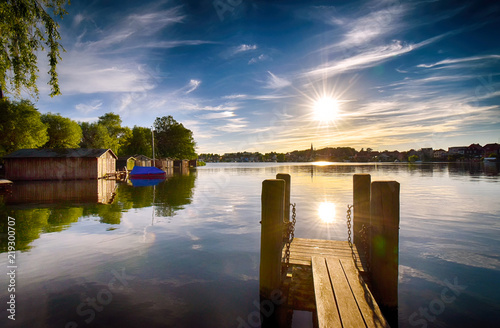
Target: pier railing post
385,242
361,202
287,178
273,203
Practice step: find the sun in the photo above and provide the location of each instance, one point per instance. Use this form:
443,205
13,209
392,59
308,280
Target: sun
326,109
326,212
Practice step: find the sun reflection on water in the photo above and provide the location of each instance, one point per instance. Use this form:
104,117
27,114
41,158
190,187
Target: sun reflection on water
326,212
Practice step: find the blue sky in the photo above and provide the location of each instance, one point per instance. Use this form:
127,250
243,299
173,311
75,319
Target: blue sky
244,75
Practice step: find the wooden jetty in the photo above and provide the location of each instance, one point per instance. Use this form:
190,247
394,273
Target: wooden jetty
344,283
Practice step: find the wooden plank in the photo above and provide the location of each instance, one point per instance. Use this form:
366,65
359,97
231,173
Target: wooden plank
302,249
339,252
320,242
367,305
326,305
305,260
348,309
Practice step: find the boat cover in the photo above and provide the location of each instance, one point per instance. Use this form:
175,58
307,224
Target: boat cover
143,170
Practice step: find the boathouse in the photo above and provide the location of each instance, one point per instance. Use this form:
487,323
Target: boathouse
60,164
141,160
125,162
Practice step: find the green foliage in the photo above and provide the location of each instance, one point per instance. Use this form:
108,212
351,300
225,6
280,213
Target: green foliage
20,126
27,29
120,136
107,132
173,139
95,135
113,124
124,140
413,158
63,132
29,225
139,142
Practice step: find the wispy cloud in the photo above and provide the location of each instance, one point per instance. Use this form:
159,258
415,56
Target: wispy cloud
237,96
87,108
372,26
243,48
447,62
135,27
260,58
193,85
367,58
275,82
92,74
233,125
217,115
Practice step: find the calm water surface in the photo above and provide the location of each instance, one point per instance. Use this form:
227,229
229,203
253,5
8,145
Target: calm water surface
185,253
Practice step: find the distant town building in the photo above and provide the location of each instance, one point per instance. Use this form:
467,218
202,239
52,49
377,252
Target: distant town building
492,148
440,154
474,151
456,150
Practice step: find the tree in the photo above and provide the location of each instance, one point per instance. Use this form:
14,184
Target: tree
63,132
413,158
139,142
26,28
95,135
118,134
124,141
20,127
173,139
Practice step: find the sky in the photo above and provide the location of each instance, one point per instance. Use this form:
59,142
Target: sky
247,75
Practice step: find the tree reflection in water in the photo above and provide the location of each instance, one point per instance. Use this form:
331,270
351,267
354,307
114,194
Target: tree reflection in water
37,213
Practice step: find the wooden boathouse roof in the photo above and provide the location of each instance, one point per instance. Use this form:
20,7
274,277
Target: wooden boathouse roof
60,153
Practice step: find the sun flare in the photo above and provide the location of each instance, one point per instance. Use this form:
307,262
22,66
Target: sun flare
326,109
326,212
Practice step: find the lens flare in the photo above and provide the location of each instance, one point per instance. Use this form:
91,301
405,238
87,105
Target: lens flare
326,212
326,109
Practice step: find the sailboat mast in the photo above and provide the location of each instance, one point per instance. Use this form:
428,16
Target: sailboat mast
153,145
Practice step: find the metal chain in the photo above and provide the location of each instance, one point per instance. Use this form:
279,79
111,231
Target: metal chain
364,239
349,237
349,240
288,235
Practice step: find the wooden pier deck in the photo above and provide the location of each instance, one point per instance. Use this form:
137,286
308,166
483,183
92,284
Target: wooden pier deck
300,280
330,277
342,297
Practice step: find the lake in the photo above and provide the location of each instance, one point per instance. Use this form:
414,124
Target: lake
185,252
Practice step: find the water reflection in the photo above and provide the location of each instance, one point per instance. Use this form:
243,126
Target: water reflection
53,206
63,191
326,212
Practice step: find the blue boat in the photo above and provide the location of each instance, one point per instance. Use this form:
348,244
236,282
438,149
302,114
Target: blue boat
147,172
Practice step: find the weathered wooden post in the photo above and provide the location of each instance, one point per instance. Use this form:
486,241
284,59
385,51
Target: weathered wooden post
385,242
361,202
287,178
271,240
